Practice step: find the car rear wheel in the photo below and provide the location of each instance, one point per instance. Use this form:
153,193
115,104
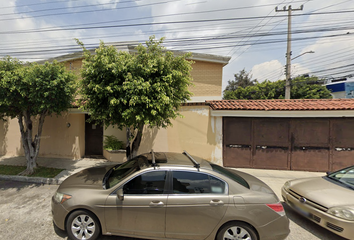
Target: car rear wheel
82,225
236,230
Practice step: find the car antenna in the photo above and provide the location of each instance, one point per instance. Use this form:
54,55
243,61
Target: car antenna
153,159
196,164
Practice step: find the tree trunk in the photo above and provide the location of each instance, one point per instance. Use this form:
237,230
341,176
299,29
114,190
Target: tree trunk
31,147
127,147
133,149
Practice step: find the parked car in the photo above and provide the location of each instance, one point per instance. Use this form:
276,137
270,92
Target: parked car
327,201
168,196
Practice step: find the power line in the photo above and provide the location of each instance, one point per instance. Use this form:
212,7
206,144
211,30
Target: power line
89,11
130,25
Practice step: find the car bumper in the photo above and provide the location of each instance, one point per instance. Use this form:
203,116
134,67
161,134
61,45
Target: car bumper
59,214
281,225
336,225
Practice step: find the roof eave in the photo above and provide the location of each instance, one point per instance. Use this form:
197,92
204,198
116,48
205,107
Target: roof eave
285,114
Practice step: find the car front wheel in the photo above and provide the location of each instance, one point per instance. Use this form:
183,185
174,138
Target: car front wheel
236,230
82,225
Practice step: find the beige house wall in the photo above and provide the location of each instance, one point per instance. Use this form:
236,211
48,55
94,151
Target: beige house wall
74,65
62,137
10,138
197,132
207,79
120,134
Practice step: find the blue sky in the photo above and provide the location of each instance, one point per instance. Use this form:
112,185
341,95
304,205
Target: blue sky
251,32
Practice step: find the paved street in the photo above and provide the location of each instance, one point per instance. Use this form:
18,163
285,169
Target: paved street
25,212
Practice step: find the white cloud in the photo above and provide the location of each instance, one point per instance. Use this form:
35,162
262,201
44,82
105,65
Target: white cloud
272,71
21,42
102,3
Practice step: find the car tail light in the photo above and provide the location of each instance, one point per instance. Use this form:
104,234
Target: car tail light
277,207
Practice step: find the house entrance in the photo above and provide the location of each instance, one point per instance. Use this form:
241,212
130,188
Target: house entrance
93,138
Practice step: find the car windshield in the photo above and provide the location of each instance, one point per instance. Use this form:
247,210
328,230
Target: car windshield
344,176
119,172
230,174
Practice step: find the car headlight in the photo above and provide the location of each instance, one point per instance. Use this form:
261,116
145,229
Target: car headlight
61,197
344,212
287,185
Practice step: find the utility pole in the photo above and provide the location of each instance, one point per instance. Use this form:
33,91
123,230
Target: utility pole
288,49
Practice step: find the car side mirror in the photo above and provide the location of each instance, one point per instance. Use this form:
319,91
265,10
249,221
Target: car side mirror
120,194
328,172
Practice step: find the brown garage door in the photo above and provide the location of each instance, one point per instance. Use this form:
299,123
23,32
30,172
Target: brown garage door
270,146
309,144
237,144
343,143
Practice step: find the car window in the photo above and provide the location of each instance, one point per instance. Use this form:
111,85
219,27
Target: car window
230,174
147,183
191,183
345,176
118,173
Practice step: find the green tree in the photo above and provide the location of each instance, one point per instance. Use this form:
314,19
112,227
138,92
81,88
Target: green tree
242,79
31,92
134,90
301,88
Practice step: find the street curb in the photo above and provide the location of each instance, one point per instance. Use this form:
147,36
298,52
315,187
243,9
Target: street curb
39,180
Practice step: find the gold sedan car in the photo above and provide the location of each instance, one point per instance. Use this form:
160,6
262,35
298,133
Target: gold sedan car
168,196
327,201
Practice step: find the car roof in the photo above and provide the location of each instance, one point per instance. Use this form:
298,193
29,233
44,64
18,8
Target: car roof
170,159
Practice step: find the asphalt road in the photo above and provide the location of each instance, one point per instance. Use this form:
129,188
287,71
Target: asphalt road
25,213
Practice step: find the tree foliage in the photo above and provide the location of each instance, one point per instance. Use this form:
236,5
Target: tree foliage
242,79
133,90
301,88
30,92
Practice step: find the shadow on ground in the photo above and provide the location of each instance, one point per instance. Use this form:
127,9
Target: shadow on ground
5,185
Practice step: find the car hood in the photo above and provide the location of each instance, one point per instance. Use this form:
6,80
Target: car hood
88,178
323,191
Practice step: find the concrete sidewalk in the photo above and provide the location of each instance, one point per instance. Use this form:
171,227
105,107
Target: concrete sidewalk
71,166
275,179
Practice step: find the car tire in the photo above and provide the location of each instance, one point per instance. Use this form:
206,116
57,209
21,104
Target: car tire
83,225
236,230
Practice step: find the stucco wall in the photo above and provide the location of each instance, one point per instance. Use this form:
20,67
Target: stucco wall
58,140
61,140
10,138
198,133
120,134
207,79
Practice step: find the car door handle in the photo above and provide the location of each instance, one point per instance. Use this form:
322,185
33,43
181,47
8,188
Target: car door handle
156,204
216,202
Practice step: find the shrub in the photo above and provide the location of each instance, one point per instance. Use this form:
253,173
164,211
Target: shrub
112,143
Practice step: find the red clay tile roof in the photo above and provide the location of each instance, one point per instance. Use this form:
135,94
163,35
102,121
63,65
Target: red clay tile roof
284,105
